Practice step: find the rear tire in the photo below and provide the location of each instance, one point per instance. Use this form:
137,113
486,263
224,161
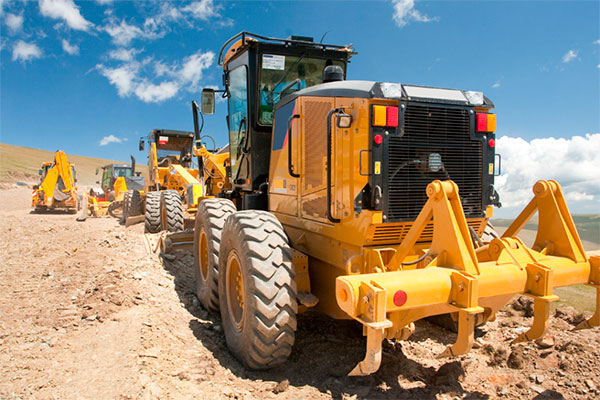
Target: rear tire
257,290
152,216
210,219
489,233
171,210
126,201
134,206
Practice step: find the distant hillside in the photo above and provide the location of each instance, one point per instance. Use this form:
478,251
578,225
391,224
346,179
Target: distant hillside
588,226
22,164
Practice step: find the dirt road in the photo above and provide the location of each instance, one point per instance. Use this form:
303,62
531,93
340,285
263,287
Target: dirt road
85,313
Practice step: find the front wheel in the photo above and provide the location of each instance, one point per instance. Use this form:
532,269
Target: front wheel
171,211
152,216
257,290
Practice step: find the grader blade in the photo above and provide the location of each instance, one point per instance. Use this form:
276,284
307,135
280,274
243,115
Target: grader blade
454,278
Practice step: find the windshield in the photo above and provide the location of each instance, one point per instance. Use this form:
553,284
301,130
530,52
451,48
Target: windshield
173,146
122,171
279,71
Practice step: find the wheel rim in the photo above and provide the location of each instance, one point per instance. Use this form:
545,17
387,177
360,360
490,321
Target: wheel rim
203,255
235,291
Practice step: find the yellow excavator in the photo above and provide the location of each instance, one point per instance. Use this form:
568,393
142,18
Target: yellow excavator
368,201
57,188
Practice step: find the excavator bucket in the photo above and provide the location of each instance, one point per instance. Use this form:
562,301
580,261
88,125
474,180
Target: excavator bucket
474,283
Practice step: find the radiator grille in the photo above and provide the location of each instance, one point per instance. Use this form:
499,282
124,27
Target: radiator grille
432,130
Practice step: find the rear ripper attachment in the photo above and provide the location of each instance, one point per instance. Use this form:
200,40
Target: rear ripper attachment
455,277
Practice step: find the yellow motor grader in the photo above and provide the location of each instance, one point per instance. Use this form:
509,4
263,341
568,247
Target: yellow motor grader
176,181
366,200
57,188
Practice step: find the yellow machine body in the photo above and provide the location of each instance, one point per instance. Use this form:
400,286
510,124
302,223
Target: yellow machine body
57,188
358,252
388,275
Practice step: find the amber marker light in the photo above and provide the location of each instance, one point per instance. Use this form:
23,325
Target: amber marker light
485,122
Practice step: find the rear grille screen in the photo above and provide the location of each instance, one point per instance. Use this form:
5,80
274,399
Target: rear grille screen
429,130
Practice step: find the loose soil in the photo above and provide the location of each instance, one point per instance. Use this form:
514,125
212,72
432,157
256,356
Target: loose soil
86,313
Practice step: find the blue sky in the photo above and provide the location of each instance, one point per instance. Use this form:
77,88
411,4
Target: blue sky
91,77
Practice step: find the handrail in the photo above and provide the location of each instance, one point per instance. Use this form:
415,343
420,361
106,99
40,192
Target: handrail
329,137
245,34
289,140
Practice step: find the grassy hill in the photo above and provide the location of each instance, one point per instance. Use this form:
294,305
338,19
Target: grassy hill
588,226
22,164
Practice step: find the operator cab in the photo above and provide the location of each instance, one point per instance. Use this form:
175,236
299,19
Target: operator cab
258,72
172,147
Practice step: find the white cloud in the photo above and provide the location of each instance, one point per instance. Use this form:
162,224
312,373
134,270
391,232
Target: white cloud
14,22
138,78
111,139
69,48
65,10
122,54
597,41
572,162
122,77
25,51
570,56
191,71
405,12
496,84
104,2
203,9
150,93
123,33
578,196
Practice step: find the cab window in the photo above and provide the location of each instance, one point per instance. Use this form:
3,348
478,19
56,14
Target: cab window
278,71
238,115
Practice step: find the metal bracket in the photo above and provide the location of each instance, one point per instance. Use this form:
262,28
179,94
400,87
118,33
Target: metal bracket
373,317
464,294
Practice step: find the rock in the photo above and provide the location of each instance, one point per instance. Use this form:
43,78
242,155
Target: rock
545,343
502,391
539,378
168,257
516,360
590,384
195,301
532,377
449,374
523,304
477,343
281,386
183,376
521,385
538,389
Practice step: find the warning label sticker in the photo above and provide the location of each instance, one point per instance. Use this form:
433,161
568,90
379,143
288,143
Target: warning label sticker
272,61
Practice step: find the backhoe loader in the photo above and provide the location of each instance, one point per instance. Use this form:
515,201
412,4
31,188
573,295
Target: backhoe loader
57,186
366,200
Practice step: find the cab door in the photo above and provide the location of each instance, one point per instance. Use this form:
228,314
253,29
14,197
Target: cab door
238,123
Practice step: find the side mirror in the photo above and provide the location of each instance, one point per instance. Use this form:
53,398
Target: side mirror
40,172
141,146
207,101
